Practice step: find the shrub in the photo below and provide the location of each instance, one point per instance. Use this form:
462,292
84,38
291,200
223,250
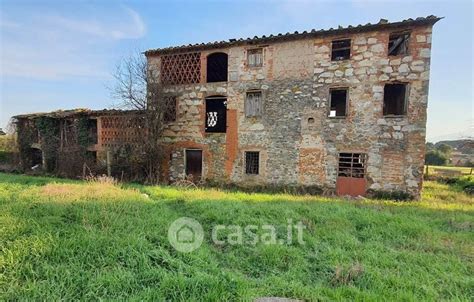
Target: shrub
436,158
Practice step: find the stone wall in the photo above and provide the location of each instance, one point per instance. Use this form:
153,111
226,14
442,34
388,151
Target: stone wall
298,143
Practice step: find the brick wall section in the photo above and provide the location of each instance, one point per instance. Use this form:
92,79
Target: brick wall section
295,80
231,143
393,168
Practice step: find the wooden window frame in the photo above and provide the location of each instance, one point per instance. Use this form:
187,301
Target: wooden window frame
251,52
247,100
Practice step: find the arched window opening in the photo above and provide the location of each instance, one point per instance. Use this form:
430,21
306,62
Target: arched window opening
217,67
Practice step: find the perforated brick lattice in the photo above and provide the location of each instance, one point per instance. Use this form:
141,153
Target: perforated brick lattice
116,130
181,68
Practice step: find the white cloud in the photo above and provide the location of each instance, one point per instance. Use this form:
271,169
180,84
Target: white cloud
58,46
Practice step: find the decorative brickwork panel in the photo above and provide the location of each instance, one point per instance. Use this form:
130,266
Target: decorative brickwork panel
119,130
181,68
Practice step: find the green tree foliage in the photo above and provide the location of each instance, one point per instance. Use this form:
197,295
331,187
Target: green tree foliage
436,158
444,148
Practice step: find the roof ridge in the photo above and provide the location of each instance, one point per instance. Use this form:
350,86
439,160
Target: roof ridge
431,19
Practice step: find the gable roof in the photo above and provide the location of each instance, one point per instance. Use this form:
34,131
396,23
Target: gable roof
382,24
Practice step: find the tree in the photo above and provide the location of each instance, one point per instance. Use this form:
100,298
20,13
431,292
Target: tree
137,87
436,158
444,148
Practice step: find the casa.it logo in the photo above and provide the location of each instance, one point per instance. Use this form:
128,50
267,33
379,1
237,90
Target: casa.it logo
185,234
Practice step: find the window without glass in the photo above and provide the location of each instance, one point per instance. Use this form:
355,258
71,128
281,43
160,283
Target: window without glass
169,108
255,57
253,104
341,50
352,165
394,99
251,162
338,101
398,44
216,115
217,67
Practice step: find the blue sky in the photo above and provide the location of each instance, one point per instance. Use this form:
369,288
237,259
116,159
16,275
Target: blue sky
61,54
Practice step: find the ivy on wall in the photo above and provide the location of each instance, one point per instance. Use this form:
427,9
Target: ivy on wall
48,129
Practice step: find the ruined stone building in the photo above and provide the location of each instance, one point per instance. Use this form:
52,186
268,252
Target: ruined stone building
73,142
343,109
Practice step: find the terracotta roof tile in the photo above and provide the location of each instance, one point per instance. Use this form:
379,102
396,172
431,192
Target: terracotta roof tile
382,24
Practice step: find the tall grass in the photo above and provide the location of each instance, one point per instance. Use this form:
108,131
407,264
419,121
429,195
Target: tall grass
68,240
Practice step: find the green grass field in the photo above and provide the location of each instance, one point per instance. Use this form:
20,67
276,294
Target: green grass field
69,240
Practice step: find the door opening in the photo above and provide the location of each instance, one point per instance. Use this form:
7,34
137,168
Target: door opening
193,164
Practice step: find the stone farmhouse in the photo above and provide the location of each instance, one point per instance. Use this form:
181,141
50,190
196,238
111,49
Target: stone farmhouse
343,109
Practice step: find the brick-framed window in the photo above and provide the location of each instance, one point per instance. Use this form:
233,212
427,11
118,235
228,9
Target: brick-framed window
341,50
252,161
255,57
253,104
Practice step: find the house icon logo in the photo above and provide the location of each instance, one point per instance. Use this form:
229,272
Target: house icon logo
185,234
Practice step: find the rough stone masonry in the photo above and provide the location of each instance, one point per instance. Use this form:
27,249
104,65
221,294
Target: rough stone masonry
342,109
